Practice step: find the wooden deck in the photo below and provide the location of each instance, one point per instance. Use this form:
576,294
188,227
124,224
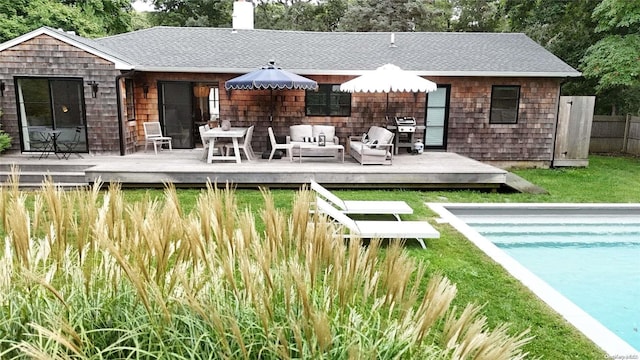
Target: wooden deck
185,168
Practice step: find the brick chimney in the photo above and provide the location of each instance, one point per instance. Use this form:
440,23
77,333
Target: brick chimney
242,15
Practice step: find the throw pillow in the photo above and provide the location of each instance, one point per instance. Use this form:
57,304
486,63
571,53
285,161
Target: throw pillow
365,138
374,144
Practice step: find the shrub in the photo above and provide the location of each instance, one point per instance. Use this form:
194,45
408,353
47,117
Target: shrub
86,275
5,141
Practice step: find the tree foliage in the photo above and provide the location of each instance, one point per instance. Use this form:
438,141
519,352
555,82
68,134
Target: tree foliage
568,30
397,15
477,16
89,18
323,15
614,60
205,13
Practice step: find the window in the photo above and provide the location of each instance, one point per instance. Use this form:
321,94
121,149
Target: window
504,104
328,100
214,103
131,106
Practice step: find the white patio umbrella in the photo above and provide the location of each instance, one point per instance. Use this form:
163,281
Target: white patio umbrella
388,78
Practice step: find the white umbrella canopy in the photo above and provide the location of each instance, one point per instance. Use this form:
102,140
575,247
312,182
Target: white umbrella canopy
388,78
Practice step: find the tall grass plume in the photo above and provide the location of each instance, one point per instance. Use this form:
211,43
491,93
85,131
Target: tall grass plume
85,274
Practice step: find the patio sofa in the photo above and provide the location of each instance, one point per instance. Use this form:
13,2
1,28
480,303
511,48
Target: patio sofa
309,134
373,147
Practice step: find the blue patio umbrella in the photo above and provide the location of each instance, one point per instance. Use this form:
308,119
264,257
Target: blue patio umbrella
270,77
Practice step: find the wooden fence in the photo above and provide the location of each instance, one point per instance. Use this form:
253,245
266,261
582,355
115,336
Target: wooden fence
615,134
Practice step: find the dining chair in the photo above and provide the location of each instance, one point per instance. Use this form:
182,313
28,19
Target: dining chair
69,146
37,139
245,146
275,146
153,135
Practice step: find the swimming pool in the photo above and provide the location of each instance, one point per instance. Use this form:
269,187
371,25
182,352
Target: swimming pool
580,259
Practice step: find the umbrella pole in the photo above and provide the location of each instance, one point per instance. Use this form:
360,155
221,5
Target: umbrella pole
387,110
271,105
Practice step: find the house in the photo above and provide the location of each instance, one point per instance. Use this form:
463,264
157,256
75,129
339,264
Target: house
497,97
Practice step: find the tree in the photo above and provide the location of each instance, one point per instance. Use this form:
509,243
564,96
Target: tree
477,16
567,29
89,18
615,59
205,13
396,15
112,16
323,15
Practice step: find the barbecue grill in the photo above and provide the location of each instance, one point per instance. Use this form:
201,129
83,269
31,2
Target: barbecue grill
405,124
404,128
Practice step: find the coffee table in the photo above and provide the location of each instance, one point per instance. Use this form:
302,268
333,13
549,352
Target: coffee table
313,146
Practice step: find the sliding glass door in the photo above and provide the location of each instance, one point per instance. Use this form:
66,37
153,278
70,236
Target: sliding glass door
176,103
51,103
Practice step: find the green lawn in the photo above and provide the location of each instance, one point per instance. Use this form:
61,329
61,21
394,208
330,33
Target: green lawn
479,279
145,259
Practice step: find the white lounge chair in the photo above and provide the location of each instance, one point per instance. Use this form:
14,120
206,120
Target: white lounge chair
364,207
369,229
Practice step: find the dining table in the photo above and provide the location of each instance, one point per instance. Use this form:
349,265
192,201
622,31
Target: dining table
48,137
233,133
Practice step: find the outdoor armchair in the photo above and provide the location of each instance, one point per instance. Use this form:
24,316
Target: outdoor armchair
373,147
153,135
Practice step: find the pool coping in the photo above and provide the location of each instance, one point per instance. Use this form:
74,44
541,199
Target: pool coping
604,338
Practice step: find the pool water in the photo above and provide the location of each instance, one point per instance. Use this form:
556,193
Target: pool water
596,266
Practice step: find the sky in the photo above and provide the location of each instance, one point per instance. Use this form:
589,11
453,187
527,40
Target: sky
140,5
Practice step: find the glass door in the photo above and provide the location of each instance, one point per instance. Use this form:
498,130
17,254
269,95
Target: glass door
176,117
436,119
50,103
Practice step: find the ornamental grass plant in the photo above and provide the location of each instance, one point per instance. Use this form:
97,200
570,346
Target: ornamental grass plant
85,274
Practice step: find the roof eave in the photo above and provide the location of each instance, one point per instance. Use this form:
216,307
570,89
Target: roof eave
307,72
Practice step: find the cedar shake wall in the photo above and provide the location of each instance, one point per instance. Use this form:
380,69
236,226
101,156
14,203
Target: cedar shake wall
44,56
147,108
531,139
242,107
469,131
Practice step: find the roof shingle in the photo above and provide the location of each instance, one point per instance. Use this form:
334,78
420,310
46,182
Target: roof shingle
196,49
239,51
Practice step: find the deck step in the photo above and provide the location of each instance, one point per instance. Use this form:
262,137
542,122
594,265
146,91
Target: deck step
62,178
44,167
521,185
35,186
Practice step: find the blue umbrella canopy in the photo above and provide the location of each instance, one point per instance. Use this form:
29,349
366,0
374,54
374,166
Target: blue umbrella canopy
270,77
